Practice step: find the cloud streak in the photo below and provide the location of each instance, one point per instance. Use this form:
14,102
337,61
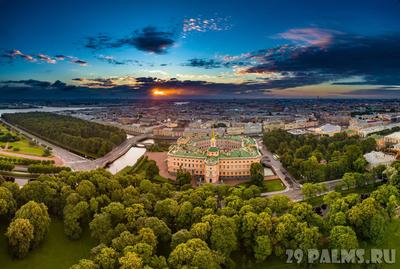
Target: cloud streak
40,57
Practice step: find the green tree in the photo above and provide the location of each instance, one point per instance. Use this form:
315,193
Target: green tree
183,177
159,227
368,220
39,218
85,264
223,235
256,174
201,230
194,254
360,164
311,190
8,204
181,236
131,260
151,169
86,189
343,237
107,258
349,180
20,237
184,217
167,210
262,248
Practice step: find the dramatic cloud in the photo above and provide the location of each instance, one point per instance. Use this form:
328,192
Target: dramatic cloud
374,58
27,82
149,39
200,24
310,36
36,84
383,92
186,87
316,56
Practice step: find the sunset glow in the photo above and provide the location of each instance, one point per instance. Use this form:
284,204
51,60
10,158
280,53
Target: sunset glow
160,92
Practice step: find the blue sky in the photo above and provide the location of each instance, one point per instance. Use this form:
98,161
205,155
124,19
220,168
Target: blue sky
201,48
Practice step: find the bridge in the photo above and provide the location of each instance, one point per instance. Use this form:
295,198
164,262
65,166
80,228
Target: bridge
111,156
80,163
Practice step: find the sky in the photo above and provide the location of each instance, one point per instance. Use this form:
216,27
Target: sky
218,49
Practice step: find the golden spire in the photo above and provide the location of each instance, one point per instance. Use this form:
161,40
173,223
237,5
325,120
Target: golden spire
212,142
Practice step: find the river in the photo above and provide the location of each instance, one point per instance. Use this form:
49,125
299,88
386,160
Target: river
129,158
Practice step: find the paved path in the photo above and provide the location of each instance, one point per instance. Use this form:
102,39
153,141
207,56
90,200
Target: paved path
66,156
79,163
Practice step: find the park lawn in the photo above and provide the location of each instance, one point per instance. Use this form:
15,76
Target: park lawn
274,185
391,241
57,251
24,147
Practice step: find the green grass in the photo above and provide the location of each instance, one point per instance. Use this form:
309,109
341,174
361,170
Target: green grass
24,145
56,252
274,185
391,241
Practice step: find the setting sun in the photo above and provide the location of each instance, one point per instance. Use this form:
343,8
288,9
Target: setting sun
157,92
165,92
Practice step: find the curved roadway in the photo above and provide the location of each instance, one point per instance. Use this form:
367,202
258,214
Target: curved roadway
79,163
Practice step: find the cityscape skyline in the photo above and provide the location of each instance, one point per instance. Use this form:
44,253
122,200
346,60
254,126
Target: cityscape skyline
260,49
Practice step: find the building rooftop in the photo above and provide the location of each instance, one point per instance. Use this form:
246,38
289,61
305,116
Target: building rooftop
213,149
329,128
378,157
190,149
395,135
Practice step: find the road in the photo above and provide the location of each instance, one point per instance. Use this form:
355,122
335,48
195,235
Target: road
269,160
66,156
111,156
293,187
296,194
79,163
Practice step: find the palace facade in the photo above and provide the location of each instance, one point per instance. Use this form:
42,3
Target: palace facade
214,159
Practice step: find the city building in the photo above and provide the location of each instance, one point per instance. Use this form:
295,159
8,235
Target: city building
375,158
393,138
328,129
214,158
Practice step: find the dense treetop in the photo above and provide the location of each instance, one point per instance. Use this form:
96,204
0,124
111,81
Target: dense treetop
141,224
80,136
312,158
